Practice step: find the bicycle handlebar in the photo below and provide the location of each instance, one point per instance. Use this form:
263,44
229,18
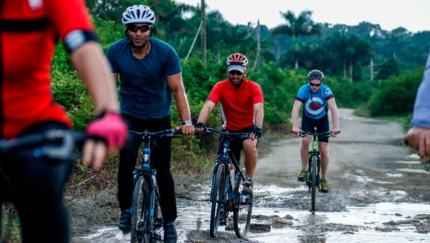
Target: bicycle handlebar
65,138
211,131
171,133
323,134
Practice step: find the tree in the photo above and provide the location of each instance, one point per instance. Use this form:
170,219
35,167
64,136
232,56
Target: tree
302,25
349,49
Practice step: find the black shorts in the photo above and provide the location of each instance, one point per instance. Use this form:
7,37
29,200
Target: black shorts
236,145
321,124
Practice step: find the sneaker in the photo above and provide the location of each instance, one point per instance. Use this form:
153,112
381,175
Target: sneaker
247,187
170,235
303,175
324,185
125,221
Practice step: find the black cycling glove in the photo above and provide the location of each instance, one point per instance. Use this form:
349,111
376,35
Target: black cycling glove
200,125
257,131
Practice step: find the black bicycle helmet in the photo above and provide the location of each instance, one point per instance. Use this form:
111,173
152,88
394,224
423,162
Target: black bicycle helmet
315,74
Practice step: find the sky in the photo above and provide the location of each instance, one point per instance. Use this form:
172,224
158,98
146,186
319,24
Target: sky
414,15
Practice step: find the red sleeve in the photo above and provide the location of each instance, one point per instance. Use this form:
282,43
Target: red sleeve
215,94
68,15
258,94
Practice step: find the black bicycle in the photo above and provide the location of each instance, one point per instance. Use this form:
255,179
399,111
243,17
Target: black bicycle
226,187
56,145
314,164
146,220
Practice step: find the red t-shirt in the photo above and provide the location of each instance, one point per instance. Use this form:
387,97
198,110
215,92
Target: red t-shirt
237,105
28,33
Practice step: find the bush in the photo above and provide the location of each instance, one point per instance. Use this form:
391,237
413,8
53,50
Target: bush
395,95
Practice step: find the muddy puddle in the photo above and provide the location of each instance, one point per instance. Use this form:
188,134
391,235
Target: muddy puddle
379,222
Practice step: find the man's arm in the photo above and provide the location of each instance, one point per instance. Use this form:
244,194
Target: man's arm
178,90
206,111
259,114
115,79
295,116
94,70
334,115
419,134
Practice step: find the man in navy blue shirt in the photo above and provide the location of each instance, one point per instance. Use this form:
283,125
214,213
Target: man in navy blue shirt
316,97
150,74
419,134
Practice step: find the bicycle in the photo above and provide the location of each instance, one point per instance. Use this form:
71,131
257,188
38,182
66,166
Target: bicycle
225,194
146,221
314,165
56,145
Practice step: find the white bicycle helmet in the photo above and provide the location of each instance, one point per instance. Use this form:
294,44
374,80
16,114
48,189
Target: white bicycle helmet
237,61
138,14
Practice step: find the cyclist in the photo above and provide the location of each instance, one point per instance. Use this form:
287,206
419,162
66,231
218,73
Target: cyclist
150,72
241,102
316,97
419,134
28,31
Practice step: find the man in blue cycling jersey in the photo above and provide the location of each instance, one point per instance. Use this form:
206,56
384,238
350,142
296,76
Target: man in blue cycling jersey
419,134
316,97
150,74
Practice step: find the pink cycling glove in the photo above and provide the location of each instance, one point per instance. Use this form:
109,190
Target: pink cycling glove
109,127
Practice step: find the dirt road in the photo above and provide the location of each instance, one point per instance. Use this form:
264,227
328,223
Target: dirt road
378,193
366,164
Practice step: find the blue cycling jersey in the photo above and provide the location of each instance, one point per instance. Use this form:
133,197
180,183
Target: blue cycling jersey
144,91
421,114
315,103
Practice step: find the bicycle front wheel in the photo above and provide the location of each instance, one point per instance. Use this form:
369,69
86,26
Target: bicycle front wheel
217,199
140,213
242,208
314,181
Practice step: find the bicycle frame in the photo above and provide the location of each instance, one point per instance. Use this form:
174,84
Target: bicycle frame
314,155
149,175
314,164
225,196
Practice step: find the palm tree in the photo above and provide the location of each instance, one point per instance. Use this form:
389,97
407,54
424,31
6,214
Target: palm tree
349,49
295,27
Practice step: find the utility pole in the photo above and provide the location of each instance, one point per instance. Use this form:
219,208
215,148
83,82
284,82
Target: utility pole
203,32
257,58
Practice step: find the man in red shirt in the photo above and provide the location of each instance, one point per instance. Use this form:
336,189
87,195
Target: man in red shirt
241,102
29,30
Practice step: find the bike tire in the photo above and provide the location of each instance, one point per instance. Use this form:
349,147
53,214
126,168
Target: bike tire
217,198
140,213
242,210
314,182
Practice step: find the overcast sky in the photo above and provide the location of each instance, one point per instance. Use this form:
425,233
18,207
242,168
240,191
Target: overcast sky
414,15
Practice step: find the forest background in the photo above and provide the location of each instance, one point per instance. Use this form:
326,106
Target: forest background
370,69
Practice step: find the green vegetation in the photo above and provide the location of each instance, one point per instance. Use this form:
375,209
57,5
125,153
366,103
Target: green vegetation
288,52
368,68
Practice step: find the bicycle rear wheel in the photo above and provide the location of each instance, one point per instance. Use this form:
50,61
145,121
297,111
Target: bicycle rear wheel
242,208
140,213
217,198
314,181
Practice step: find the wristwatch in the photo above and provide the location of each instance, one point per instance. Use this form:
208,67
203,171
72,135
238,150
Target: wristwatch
187,122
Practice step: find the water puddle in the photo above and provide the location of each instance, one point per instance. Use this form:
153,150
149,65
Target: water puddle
418,171
369,223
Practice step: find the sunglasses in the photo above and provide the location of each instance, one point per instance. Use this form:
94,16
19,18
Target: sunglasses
134,28
235,72
317,85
